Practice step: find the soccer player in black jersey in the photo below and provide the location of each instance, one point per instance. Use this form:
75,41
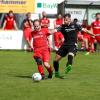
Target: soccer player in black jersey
69,47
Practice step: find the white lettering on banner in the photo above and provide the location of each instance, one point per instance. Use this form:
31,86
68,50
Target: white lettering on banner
12,40
3,37
51,6
76,13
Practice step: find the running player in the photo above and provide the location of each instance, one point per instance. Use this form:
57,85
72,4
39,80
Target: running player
69,31
41,51
27,29
9,22
58,37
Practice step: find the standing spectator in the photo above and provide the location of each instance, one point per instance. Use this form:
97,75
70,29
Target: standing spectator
45,22
9,22
27,29
88,39
95,27
58,37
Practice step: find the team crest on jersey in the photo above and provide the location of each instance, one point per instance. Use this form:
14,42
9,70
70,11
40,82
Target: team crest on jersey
73,26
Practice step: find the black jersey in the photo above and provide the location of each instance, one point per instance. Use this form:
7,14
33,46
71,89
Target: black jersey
70,33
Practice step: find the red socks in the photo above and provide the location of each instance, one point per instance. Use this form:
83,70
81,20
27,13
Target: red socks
41,69
49,70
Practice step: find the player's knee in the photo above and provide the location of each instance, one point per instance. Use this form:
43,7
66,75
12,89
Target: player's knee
46,64
57,58
71,54
39,61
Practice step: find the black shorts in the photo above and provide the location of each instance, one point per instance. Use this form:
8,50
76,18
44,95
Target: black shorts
65,49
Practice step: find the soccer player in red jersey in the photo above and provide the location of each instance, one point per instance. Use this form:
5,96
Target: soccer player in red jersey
41,51
95,28
27,29
58,37
9,23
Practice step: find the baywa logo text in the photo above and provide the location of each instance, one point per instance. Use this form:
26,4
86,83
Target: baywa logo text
46,5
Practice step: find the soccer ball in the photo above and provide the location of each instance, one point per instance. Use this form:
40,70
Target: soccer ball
36,77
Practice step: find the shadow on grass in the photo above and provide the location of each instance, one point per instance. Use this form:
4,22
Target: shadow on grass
23,76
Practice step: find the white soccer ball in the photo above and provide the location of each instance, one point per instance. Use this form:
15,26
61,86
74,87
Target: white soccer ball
36,77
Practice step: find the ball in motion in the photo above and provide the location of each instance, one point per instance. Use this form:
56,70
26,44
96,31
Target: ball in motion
36,77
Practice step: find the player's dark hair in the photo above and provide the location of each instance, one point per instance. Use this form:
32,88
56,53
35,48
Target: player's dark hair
10,11
97,14
36,20
28,13
67,15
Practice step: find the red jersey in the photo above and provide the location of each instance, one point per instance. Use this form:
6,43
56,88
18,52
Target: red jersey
28,24
85,34
96,27
40,38
9,23
59,21
45,21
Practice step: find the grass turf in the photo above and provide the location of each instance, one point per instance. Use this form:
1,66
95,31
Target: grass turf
17,67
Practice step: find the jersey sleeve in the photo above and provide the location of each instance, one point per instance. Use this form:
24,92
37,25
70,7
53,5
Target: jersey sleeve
78,27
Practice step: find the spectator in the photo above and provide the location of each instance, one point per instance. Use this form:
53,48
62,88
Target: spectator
9,22
95,28
45,23
88,39
27,29
58,37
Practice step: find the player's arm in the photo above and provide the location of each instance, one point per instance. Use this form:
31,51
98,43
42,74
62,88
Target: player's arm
15,25
88,31
84,29
4,24
55,25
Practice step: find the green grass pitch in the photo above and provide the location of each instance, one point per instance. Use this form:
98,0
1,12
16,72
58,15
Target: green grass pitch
17,67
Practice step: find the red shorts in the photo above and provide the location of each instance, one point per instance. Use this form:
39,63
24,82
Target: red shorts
87,37
98,38
43,53
27,34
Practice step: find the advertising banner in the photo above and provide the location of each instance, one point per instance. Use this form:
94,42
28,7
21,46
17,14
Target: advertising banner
76,13
91,14
18,6
12,40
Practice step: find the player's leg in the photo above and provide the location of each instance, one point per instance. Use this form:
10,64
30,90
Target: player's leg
69,63
56,65
71,52
95,44
49,69
60,53
46,59
40,67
